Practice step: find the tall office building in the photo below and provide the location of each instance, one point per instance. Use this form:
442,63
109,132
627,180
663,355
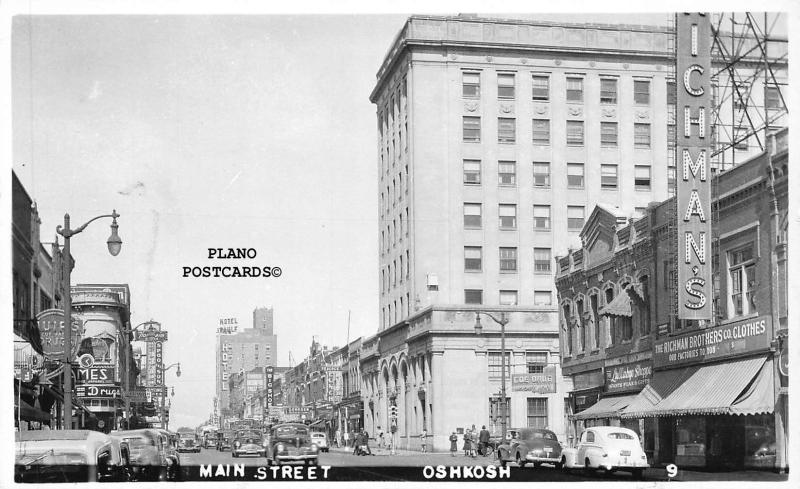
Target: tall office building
496,138
242,350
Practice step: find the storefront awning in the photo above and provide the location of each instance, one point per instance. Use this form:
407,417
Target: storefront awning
732,387
620,306
607,407
662,384
26,412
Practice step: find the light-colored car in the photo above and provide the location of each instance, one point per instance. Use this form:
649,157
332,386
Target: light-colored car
321,440
148,452
608,448
67,456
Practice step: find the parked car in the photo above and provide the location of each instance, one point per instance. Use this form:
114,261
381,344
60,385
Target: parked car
148,452
209,439
172,441
291,443
66,456
249,442
124,461
321,440
187,442
608,448
531,445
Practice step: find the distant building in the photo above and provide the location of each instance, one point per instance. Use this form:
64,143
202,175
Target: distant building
242,350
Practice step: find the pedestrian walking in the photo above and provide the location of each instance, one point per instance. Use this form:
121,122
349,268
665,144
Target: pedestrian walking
423,438
453,444
467,442
380,437
337,438
483,440
365,443
346,438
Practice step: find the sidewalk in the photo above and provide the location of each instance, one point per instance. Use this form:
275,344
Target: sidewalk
385,451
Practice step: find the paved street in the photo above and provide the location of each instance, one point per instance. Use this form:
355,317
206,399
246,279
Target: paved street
409,465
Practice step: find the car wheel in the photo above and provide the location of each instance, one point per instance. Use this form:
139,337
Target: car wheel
638,474
235,455
520,462
536,465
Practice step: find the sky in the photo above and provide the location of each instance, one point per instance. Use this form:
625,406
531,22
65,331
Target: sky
211,131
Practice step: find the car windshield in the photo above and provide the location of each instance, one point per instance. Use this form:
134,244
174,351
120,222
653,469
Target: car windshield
139,442
543,435
50,457
248,434
291,431
318,435
620,436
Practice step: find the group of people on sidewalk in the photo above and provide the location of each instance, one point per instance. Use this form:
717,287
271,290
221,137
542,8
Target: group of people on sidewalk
357,440
474,442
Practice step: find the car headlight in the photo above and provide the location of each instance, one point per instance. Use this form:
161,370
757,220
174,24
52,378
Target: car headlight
236,444
314,447
279,447
264,444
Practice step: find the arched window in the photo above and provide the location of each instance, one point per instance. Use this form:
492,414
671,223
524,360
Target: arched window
609,320
568,327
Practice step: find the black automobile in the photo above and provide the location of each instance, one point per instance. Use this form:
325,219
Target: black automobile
291,443
224,440
188,443
249,442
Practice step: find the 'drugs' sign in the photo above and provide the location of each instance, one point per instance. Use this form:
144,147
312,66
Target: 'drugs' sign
729,340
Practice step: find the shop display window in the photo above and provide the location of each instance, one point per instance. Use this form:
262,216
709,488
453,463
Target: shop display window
690,441
759,441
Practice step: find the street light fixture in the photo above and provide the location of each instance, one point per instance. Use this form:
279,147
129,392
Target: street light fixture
114,246
163,398
502,321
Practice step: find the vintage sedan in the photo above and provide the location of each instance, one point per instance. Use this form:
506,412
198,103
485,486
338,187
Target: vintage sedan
224,439
531,445
321,440
291,443
187,442
67,456
249,442
607,448
149,452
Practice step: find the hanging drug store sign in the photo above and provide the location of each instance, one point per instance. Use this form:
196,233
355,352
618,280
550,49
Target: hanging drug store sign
693,187
742,337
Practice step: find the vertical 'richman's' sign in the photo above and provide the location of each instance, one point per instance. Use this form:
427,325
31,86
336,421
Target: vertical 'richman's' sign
693,190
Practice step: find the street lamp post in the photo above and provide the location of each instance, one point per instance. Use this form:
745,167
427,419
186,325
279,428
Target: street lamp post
163,397
114,245
127,380
479,330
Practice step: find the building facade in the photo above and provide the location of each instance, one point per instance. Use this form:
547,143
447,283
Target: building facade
709,394
242,350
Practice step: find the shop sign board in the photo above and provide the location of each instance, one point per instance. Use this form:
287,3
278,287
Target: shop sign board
588,380
96,374
104,391
150,335
541,383
270,382
137,395
693,185
51,331
729,340
628,377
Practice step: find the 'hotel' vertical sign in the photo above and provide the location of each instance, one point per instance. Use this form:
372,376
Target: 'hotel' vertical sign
694,176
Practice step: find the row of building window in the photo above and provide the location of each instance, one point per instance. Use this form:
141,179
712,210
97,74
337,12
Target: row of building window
541,92
392,194
507,213
509,297
540,134
392,274
396,310
507,174
394,234
473,259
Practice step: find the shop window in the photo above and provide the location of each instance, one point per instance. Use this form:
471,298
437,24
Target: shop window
690,441
742,286
537,412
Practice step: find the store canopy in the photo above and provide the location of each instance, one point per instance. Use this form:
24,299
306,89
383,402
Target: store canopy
733,387
607,407
620,306
662,384
58,394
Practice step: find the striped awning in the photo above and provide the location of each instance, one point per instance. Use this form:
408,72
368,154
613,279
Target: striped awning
607,407
620,306
739,386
